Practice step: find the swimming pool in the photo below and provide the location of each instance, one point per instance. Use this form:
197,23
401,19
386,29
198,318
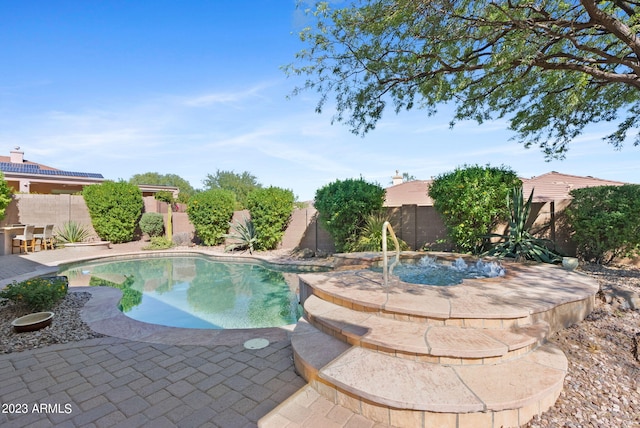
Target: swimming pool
196,291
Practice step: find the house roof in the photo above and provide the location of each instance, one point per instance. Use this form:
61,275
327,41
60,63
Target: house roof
408,193
554,186
548,187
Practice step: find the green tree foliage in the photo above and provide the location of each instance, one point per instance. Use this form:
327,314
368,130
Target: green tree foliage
115,208
605,222
210,212
472,201
156,179
344,207
5,195
152,224
270,210
240,184
550,67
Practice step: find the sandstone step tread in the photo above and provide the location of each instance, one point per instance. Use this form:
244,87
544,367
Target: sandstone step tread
421,338
405,384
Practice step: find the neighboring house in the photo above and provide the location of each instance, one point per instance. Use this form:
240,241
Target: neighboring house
412,212
24,176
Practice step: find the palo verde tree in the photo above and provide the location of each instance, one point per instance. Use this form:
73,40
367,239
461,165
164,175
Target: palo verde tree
240,184
154,178
472,201
549,67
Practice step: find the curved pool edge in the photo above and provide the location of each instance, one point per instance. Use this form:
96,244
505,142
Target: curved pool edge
102,315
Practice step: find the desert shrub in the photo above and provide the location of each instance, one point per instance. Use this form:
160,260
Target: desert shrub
159,243
472,201
605,223
210,212
5,195
115,208
152,224
344,207
270,210
38,294
71,232
370,236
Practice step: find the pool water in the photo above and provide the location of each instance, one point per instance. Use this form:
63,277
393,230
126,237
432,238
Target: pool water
196,292
430,271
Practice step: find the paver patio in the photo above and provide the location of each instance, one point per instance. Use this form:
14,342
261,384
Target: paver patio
113,381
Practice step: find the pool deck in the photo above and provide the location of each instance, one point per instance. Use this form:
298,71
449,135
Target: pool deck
146,375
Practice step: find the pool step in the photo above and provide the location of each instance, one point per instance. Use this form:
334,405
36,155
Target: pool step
402,392
419,341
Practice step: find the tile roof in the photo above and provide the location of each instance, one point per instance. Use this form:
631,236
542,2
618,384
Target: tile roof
554,186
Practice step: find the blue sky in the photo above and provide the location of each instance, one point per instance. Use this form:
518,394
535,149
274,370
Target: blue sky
187,88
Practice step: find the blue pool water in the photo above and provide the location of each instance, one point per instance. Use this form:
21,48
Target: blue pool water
196,292
430,271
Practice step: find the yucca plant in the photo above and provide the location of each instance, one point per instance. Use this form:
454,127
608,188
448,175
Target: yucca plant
244,236
519,243
71,232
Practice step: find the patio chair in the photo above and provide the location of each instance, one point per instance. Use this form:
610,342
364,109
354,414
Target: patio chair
46,237
25,239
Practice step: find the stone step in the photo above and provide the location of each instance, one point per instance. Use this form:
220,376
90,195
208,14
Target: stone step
401,392
430,343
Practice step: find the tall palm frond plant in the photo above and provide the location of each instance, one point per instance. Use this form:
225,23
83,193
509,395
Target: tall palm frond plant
519,243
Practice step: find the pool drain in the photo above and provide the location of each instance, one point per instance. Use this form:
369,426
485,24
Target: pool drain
256,343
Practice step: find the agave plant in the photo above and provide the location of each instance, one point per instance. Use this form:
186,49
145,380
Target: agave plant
71,232
519,243
244,236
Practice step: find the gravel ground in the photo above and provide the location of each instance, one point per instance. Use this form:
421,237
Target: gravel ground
66,326
602,387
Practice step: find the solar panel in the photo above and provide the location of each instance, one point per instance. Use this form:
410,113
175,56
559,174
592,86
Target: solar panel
35,169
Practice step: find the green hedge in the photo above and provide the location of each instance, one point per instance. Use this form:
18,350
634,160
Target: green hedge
210,212
115,208
605,223
270,210
472,201
344,207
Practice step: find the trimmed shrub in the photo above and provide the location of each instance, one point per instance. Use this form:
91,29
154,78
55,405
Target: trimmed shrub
5,195
152,224
472,201
270,210
344,207
115,208
605,222
210,212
